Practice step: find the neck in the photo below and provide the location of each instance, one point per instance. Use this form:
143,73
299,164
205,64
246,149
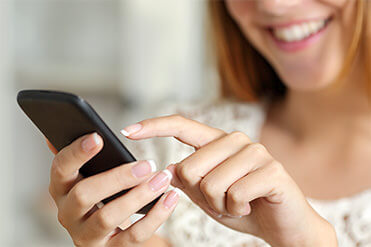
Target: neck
321,113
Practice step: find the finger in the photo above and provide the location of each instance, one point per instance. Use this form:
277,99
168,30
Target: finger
175,181
192,169
144,229
216,183
265,182
66,164
185,130
51,147
201,162
111,215
89,191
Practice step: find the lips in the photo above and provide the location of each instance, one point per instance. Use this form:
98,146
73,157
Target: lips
298,35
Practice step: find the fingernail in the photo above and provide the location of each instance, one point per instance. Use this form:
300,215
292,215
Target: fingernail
131,129
234,216
90,142
172,198
160,180
100,205
212,212
143,168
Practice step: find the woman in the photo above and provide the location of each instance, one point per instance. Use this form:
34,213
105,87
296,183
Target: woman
297,173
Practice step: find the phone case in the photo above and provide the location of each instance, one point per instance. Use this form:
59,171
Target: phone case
63,117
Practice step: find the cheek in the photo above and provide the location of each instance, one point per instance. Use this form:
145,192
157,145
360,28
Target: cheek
241,11
245,14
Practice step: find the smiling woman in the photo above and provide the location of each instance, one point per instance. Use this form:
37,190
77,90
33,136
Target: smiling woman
245,65
285,163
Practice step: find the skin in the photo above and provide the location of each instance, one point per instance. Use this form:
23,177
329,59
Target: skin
263,183
344,111
313,68
76,200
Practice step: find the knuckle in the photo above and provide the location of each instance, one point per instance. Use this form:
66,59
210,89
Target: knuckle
239,136
258,148
116,177
136,235
79,196
185,173
61,219
52,191
234,195
275,168
105,219
177,117
79,239
77,242
208,187
57,167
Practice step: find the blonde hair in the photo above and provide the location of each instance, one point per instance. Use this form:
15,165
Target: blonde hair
244,72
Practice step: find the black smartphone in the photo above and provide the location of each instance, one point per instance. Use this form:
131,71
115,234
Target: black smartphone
63,117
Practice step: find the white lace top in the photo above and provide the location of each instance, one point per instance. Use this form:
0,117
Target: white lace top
189,226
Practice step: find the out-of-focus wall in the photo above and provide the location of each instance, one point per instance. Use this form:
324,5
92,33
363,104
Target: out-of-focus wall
68,44
163,51
7,107
145,51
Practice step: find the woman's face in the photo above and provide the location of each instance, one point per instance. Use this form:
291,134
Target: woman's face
306,41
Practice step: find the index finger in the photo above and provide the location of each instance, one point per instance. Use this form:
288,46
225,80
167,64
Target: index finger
183,129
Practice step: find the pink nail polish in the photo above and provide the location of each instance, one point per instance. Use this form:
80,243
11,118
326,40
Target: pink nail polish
90,142
131,129
143,168
160,180
172,198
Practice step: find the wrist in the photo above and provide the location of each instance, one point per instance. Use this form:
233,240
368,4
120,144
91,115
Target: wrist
319,234
327,236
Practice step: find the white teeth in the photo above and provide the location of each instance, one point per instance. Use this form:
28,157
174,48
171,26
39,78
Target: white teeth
298,32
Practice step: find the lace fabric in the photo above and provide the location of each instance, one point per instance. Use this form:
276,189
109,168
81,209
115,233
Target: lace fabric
190,226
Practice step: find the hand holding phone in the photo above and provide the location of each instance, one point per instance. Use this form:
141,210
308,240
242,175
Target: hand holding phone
89,224
98,156
63,117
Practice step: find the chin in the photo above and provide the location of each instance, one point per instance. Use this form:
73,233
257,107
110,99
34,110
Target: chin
306,82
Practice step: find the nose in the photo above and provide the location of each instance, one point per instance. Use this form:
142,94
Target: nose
276,7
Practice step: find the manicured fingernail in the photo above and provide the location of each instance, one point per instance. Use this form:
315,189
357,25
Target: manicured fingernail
160,180
131,129
172,198
143,168
90,142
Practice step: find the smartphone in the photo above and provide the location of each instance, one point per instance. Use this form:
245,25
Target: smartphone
63,117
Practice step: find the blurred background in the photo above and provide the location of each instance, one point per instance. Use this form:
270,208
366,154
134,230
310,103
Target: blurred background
128,58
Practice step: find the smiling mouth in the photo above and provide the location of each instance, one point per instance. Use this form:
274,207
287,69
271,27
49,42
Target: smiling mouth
299,32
